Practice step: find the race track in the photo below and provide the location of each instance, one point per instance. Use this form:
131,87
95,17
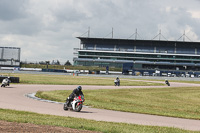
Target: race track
14,97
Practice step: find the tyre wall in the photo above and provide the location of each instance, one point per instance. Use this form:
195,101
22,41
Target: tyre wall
12,79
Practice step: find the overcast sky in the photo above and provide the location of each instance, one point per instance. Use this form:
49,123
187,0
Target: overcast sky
47,29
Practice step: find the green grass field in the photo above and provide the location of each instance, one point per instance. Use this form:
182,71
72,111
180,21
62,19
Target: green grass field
175,102
75,80
82,124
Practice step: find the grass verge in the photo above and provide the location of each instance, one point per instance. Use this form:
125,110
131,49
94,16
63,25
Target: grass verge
82,124
175,102
76,80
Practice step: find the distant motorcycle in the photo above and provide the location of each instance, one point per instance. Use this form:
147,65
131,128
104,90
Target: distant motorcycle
5,82
167,82
76,104
117,82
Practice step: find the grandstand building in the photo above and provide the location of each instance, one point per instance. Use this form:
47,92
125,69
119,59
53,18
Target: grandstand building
144,54
9,57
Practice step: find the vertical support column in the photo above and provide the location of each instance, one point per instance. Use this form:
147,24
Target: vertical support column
154,49
82,46
95,47
115,47
2,52
19,52
175,49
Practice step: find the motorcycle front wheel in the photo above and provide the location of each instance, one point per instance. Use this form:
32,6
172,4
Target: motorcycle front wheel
78,107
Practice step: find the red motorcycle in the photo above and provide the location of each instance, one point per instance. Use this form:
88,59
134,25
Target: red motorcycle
76,104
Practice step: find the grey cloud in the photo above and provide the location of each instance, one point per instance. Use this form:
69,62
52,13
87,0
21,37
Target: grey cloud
15,18
147,16
69,14
25,26
54,25
12,9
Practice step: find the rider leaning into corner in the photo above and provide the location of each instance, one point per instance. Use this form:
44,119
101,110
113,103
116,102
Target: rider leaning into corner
6,82
75,92
117,81
167,82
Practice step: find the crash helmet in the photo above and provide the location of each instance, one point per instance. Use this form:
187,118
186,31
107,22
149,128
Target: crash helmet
79,88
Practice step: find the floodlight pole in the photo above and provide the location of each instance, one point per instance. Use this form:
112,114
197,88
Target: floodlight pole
159,35
88,32
112,32
136,34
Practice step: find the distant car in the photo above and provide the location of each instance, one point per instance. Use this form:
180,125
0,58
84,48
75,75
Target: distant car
76,71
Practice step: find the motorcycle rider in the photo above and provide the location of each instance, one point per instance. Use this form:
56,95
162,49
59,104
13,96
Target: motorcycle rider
167,82
6,82
117,81
75,92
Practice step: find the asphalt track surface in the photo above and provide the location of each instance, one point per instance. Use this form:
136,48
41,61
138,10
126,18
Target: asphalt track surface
14,97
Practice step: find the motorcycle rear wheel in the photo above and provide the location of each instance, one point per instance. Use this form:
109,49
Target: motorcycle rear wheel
65,107
3,85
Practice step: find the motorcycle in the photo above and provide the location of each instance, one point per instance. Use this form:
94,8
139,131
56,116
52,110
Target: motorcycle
117,83
167,83
5,82
76,104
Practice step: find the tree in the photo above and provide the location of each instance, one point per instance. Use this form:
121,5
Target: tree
58,62
55,62
68,63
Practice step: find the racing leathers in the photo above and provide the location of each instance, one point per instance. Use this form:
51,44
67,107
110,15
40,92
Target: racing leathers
76,92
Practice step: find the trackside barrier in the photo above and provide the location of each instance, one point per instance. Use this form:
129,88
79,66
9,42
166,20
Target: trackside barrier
54,70
12,79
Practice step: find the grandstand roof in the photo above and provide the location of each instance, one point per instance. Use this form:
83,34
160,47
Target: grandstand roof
127,41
